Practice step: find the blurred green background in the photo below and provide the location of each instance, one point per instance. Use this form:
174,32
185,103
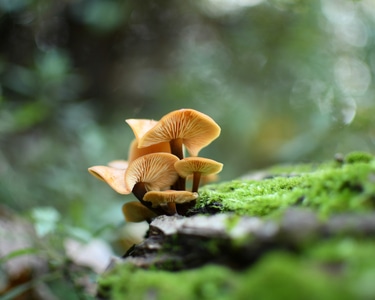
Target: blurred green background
287,81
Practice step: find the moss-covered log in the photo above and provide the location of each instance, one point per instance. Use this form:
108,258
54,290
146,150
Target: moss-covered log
295,232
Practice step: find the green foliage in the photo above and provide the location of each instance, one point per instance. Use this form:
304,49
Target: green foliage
102,16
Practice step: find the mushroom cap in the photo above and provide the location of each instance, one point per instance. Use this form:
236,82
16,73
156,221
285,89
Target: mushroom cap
190,165
155,170
196,130
158,198
135,152
136,212
114,177
140,126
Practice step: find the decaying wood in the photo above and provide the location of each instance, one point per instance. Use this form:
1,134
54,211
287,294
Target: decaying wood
175,242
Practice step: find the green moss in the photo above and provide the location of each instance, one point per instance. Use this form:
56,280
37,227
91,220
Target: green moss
351,259
252,197
328,188
358,156
334,269
211,282
282,276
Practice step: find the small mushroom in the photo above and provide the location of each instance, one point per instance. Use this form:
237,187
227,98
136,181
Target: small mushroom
114,177
136,212
169,198
197,166
186,127
151,172
113,173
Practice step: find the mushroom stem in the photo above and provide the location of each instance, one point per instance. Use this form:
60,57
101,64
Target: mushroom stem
196,180
139,190
172,208
180,184
176,147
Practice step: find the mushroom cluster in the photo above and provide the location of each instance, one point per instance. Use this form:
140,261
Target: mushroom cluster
157,167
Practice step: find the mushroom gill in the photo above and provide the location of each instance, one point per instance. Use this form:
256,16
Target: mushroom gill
151,172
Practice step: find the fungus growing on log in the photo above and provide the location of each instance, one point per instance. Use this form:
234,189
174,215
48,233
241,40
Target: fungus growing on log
153,164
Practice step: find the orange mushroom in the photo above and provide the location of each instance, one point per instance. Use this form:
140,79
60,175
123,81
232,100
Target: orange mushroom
169,198
186,127
156,163
113,173
136,212
151,172
197,166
